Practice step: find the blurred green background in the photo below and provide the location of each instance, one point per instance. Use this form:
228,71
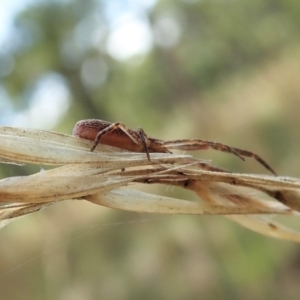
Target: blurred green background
222,70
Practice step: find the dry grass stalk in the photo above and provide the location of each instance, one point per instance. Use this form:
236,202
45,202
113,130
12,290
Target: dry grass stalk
100,177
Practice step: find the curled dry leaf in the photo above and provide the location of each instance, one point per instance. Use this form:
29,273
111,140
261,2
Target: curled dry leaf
100,177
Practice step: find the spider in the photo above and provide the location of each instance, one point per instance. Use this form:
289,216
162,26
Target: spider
117,135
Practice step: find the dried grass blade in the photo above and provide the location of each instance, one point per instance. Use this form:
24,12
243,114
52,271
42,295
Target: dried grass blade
133,200
46,147
263,225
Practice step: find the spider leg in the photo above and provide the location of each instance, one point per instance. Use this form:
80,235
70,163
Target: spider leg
110,129
115,126
256,157
143,138
190,145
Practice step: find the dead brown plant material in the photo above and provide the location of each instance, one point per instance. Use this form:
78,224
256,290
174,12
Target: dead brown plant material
103,177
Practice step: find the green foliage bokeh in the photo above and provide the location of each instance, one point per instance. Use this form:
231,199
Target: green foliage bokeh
231,76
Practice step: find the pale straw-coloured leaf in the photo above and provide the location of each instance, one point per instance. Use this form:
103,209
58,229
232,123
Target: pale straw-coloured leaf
52,148
137,201
10,212
100,177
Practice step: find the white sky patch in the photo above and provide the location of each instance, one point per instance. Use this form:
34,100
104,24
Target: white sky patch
48,104
167,31
8,10
131,36
116,9
93,72
130,32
